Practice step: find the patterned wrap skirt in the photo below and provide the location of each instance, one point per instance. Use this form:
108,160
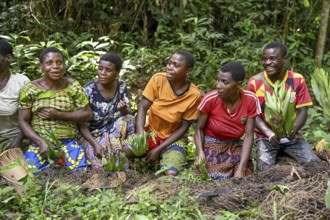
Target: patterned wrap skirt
110,141
73,156
223,158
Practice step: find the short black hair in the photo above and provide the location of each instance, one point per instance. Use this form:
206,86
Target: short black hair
5,48
280,45
236,69
189,58
113,58
49,50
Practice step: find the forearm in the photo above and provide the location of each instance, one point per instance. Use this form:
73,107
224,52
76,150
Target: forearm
85,132
175,136
246,150
262,127
81,115
300,121
140,120
24,120
247,143
142,114
28,132
199,140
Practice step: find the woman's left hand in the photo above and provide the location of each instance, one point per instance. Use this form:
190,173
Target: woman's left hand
48,113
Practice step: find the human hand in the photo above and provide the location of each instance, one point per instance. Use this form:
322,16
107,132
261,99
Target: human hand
122,107
43,148
98,150
117,152
239,173
200,159
292,135
152,156
48,113
273,139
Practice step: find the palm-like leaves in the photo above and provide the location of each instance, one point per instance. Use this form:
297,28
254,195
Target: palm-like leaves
321,88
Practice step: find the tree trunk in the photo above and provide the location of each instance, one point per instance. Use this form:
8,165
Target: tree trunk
320,45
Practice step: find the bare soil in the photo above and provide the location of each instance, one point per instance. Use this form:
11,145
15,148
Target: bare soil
296,191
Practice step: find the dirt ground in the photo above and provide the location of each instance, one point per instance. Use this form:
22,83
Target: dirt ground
297,190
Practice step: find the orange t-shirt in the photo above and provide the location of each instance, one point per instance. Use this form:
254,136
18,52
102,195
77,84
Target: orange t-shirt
168,110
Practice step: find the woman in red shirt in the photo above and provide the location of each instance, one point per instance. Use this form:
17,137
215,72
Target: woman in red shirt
225,115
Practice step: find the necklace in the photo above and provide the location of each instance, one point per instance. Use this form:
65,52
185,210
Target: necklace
235,104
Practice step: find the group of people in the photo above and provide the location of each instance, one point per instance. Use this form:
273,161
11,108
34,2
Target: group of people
96,120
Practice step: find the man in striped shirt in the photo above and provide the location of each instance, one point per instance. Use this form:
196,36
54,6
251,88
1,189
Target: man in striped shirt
267,146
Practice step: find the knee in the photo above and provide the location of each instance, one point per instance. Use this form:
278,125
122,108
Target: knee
264,162
263,166
171,173
265,155
311,157
302,151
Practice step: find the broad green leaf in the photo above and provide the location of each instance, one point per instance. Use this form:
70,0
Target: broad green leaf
140,217
8,168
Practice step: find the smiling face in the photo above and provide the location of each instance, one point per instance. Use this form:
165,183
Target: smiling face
107,72
226,86
176,69
273,62
53,66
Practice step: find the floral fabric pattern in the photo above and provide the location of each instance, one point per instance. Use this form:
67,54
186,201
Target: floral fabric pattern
105,111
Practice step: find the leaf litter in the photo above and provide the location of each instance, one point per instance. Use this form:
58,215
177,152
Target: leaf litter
289,189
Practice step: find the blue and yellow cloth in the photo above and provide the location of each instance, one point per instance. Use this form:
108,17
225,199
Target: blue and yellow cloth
73,153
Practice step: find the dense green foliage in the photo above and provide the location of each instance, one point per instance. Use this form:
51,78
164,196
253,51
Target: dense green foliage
58,201
145,33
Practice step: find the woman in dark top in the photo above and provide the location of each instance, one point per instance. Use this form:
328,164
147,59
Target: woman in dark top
112,116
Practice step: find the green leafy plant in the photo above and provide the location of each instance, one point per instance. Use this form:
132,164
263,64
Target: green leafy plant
161,170
87,57
280,112
203,172
251,214
112,164
190,176
109,165
54,151
321,87
139,142
314,124
281,188
28,181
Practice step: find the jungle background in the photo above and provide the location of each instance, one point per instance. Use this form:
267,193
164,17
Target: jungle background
145,33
